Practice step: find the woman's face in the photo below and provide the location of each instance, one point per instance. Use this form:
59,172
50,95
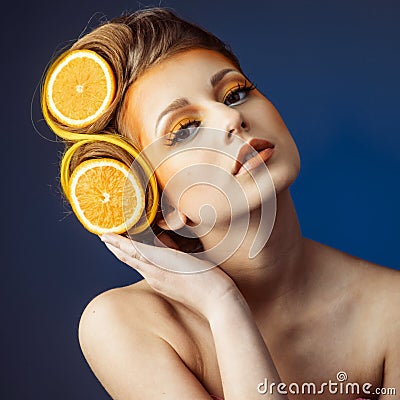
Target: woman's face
202,88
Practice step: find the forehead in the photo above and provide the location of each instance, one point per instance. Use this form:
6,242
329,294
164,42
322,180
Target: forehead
183,75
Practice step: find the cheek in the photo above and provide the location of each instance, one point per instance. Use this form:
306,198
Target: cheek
272,126
285,166
196,184
264,117
204,204
191,166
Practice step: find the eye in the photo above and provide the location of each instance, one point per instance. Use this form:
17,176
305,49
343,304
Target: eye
186,131
238,94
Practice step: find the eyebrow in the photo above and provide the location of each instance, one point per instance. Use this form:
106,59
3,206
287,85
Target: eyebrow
183,102
217,78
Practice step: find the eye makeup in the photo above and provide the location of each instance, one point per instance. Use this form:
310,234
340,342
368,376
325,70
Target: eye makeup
183,131
237,93
183,121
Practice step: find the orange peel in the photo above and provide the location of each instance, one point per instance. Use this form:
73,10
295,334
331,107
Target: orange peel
106,196
79,88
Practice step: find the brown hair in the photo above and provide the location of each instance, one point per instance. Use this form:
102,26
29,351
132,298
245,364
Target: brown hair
133,43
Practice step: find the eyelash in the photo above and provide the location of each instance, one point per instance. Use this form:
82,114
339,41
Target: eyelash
173,137
247,87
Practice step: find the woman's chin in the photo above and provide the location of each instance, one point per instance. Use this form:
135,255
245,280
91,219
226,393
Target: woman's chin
284,177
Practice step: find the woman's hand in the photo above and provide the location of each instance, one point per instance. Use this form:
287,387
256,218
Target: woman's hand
175,274
213,294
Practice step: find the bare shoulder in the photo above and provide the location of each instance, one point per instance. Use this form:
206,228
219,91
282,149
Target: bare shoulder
139,316
377,281
128,302
116,312
371,294
383,286
135,308
129,334
373,290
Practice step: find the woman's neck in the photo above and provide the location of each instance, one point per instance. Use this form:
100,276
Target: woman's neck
279,267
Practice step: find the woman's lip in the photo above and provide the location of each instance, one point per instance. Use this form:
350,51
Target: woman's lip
260,158
250,150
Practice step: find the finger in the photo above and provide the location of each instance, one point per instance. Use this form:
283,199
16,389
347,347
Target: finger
163,257
127,246
134,261
152,254
132,255
154,276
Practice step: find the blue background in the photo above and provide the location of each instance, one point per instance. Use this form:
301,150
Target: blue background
330,67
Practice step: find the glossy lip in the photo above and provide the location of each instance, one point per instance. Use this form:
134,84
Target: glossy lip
252,154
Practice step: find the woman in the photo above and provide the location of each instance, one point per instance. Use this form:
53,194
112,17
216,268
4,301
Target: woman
297,312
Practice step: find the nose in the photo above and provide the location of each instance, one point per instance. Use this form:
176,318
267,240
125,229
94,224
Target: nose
230,120
236,129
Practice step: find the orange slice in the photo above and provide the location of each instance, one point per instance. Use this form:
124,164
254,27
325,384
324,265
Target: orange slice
106,196
79,88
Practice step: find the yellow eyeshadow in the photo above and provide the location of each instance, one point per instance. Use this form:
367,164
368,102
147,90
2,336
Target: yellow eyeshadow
182,122
232,86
